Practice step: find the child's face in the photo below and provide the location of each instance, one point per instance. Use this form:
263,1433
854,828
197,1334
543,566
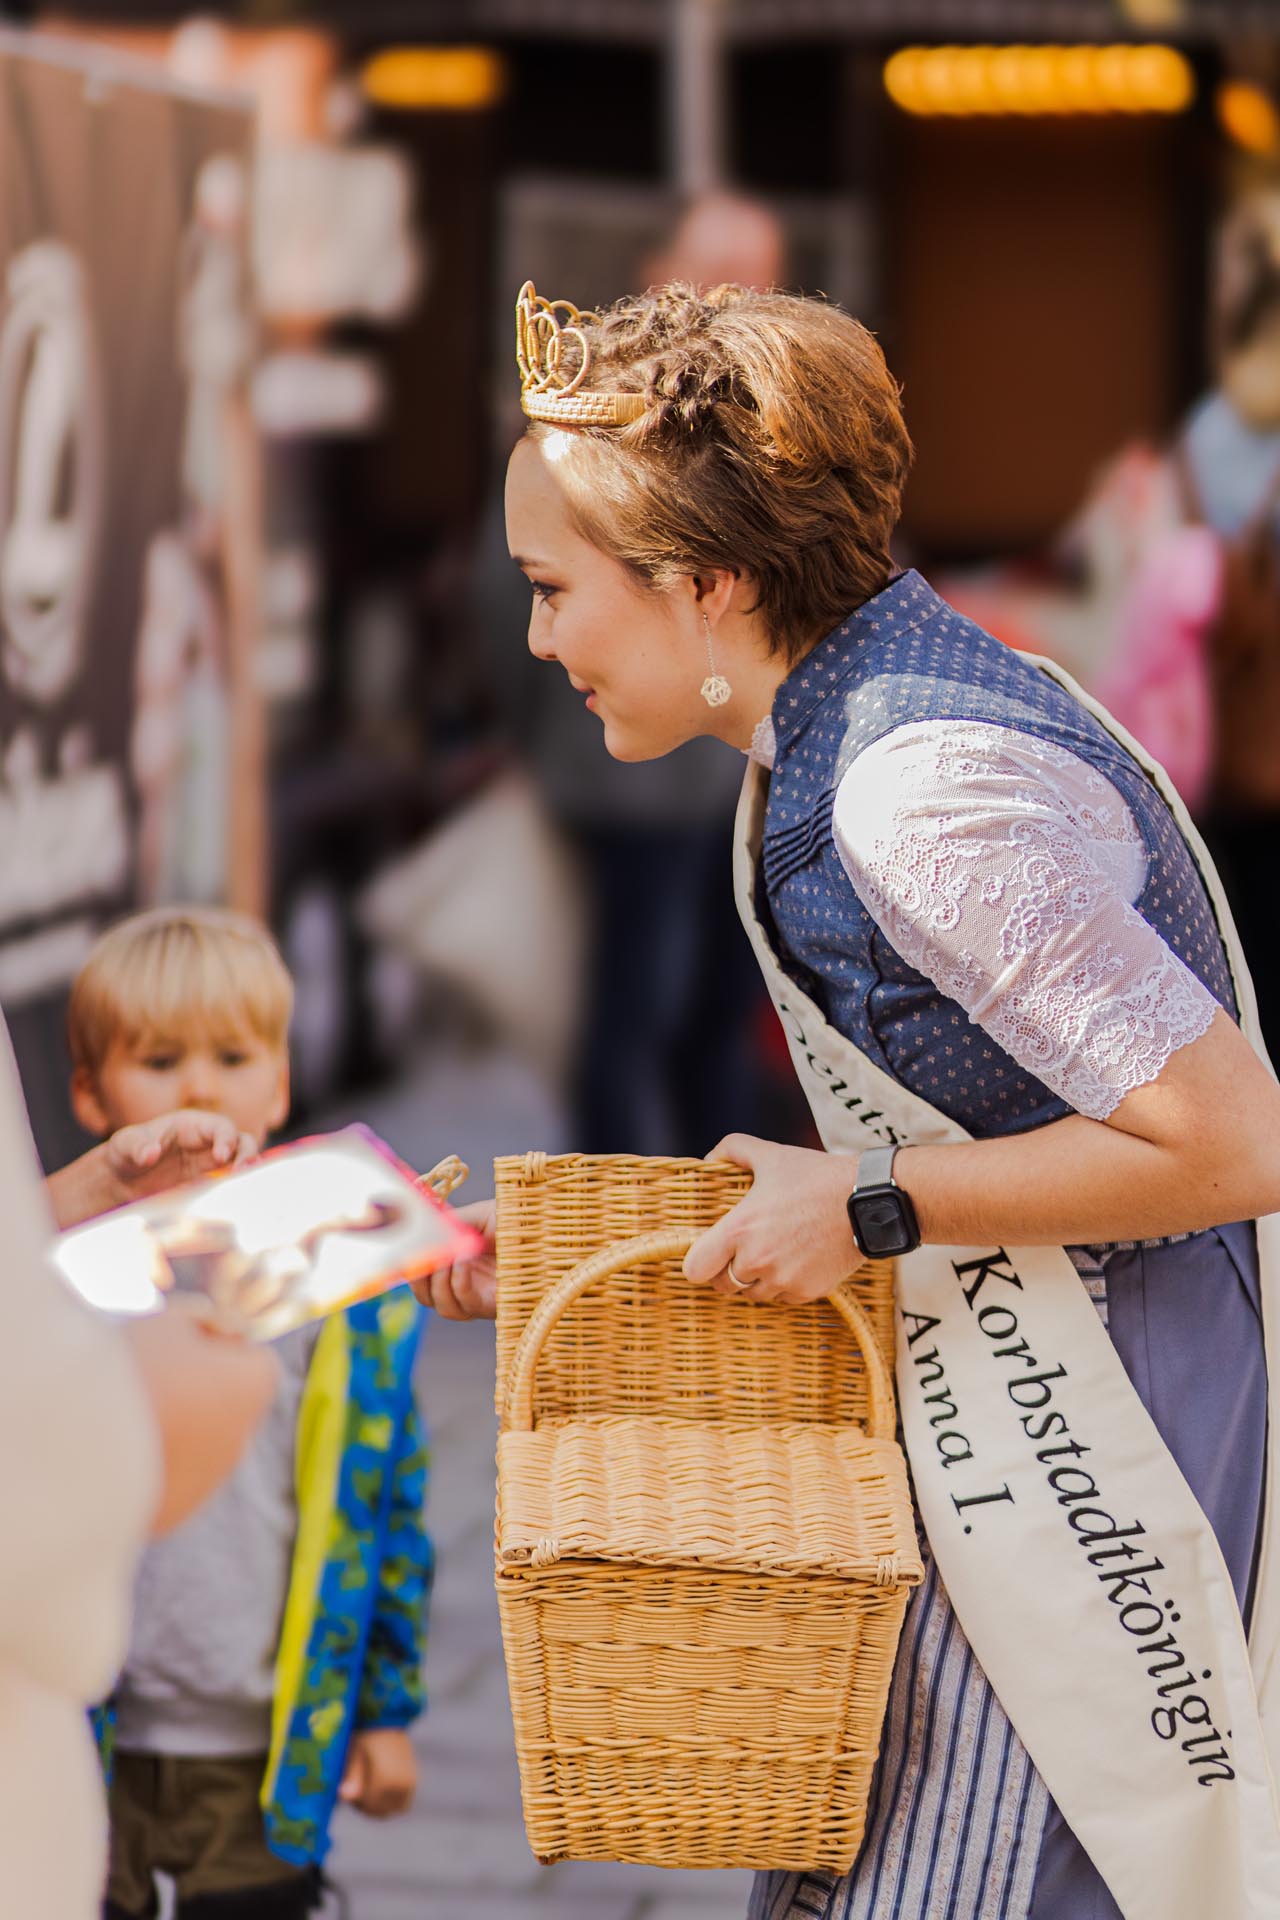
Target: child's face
233,1072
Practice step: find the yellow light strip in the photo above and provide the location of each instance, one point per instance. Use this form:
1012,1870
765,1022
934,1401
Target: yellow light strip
435,79
962,81
1248,116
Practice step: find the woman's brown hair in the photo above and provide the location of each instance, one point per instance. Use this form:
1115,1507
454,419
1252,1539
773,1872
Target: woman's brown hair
772,444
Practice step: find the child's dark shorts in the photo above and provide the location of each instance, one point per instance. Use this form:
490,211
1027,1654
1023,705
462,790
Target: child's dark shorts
196,1820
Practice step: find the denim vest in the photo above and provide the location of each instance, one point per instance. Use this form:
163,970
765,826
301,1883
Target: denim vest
906,657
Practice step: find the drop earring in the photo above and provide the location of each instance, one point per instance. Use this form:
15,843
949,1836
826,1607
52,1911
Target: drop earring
715,688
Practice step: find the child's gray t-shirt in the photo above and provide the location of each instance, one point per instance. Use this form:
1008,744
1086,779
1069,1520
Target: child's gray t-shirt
209,1599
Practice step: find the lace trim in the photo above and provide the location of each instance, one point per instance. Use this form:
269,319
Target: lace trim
764,743
1004,868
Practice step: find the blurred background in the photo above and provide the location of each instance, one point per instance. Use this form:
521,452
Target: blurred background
260,640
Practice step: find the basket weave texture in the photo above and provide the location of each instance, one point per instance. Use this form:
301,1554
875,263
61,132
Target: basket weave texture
647,1342
705,1540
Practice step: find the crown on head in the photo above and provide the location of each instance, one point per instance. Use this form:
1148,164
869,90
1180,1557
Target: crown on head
548,391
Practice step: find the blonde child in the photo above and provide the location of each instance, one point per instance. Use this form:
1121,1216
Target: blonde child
275,1662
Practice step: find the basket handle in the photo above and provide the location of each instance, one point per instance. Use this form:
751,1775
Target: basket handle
445,1176
518,1416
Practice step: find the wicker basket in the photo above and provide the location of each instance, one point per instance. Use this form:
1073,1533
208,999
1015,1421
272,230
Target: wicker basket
705,1539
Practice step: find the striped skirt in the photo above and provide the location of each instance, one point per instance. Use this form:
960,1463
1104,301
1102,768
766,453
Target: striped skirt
960,1825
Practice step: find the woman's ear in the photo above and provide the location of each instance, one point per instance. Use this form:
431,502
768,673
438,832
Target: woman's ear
87,1105
713,591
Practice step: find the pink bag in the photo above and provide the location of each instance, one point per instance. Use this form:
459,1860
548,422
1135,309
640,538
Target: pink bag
1158,683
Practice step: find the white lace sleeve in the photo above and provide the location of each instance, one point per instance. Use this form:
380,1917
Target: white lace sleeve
1005,869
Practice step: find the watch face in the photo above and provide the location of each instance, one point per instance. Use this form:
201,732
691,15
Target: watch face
880,1223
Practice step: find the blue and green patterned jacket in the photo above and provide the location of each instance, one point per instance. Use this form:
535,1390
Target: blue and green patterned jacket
351,1644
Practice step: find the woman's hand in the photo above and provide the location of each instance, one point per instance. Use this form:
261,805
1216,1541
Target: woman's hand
207,1395
789,1239
468,1290
146,1159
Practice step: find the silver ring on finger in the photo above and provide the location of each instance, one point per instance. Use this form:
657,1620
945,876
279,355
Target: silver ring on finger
741,1285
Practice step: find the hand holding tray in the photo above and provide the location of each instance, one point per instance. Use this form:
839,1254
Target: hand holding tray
306,1231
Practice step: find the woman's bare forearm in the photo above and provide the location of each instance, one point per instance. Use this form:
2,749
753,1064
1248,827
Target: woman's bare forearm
1074,1182
1195,1148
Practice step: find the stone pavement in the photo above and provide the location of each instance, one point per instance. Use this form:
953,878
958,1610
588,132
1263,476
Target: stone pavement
461,1853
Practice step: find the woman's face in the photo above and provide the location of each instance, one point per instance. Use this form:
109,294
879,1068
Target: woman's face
637,656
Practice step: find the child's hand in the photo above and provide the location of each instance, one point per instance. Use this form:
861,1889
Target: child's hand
145,1159
468,1290
381,1777
177,1147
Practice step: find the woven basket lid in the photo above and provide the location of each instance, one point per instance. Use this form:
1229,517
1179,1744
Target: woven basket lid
801,1499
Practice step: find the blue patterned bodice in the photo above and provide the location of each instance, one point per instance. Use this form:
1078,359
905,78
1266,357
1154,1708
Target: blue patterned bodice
907,657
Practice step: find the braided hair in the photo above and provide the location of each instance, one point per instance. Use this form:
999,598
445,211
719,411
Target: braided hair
772,444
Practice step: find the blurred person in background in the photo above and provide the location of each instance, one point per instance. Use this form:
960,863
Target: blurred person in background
108,1433
667,1055
1228,461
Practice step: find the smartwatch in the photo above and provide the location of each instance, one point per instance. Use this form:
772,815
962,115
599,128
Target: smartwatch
880,1213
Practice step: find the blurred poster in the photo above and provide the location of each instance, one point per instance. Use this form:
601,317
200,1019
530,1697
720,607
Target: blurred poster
125,351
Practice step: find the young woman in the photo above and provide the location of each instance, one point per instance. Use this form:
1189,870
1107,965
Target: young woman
1013,996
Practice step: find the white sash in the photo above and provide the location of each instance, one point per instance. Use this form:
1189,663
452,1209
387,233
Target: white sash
1079,1563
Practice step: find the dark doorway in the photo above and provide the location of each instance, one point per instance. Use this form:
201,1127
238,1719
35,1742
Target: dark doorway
1042,286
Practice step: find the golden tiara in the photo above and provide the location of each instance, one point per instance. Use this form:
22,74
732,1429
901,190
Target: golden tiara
548,391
